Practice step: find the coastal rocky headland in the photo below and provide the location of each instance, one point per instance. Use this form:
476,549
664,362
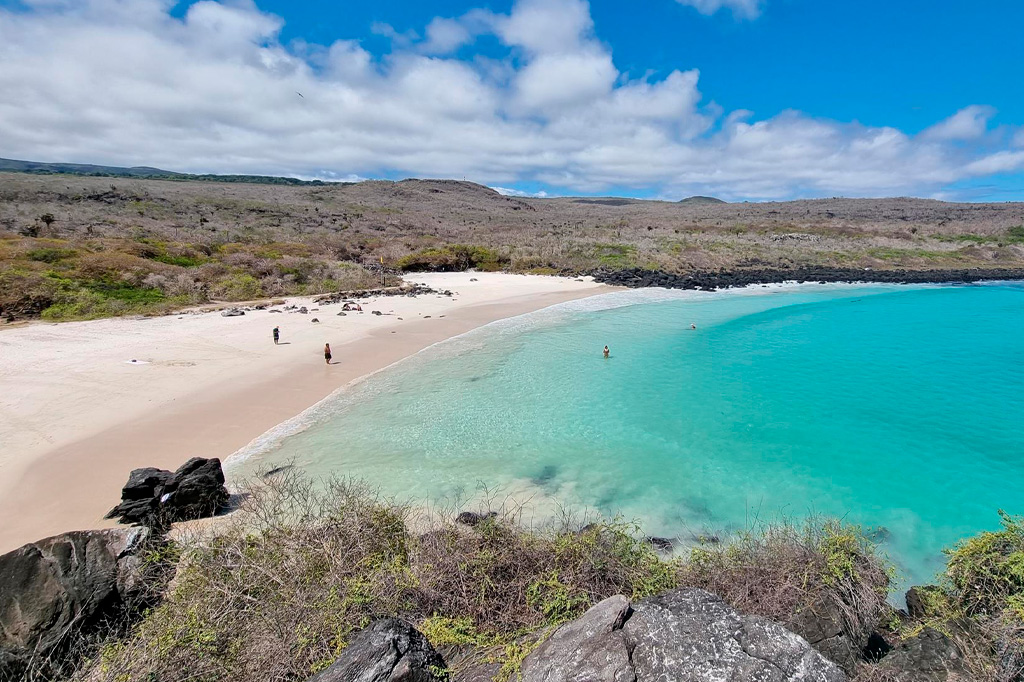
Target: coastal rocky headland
331,584
726,279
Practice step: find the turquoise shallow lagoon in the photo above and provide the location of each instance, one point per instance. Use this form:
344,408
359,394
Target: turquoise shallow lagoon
895,407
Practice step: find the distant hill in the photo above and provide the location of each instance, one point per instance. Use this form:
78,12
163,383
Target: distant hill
701,200
87,169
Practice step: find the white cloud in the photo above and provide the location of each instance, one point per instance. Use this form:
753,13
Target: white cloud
445,36
123,82
741,9
970,123
505,191
1000,162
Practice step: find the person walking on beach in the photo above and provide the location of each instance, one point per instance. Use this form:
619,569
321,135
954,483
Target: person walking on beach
327,353
606,351
277,335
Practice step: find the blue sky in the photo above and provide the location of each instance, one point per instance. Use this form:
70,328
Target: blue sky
742,99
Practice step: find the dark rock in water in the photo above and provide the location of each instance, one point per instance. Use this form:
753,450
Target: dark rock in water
706,538
55,591
389,650
660,544
468,518
684,634
547,474
879,534
277,470
928,657
154,497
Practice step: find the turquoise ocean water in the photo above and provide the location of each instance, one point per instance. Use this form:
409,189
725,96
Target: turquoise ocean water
894,407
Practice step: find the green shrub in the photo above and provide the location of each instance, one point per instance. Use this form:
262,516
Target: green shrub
455,258
51,255
237,287
986,572
615,255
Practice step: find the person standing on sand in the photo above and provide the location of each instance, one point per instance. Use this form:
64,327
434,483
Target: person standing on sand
327,353
277,335
606,351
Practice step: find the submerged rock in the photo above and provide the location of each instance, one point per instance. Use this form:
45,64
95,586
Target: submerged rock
390,650
468,518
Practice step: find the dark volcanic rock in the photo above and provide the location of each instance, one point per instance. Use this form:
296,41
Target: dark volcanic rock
468,518
389,650
155,497
660,544
684,635
822,625
54,591
918,601
928,657
636,277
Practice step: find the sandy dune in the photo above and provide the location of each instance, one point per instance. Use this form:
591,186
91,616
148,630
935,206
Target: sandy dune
76,414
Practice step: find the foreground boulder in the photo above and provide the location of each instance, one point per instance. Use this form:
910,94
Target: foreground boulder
822,624
155,497
928,657
390,650
55,591
685,635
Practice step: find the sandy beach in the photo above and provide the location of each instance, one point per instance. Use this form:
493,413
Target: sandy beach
77,414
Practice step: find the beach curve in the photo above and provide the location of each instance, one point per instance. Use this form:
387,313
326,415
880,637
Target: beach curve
77,414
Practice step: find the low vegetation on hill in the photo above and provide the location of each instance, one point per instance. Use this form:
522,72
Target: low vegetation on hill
279,588
79,247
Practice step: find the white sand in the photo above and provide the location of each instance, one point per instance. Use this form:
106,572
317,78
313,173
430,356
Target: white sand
76,414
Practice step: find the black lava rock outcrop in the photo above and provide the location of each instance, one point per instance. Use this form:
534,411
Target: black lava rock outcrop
711,280
390,650
928,657
156,497
56,591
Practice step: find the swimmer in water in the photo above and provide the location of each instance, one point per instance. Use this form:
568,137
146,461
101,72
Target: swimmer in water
606,351
693,326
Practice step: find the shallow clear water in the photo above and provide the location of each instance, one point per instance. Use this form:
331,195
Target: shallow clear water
891,406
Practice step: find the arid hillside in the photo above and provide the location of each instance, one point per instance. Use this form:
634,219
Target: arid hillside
158,243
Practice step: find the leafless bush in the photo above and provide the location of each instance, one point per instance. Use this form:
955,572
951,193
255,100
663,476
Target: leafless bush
275,591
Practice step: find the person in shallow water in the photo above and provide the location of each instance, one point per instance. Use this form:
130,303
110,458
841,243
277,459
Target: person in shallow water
606,351
277,335
693,326
327,353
